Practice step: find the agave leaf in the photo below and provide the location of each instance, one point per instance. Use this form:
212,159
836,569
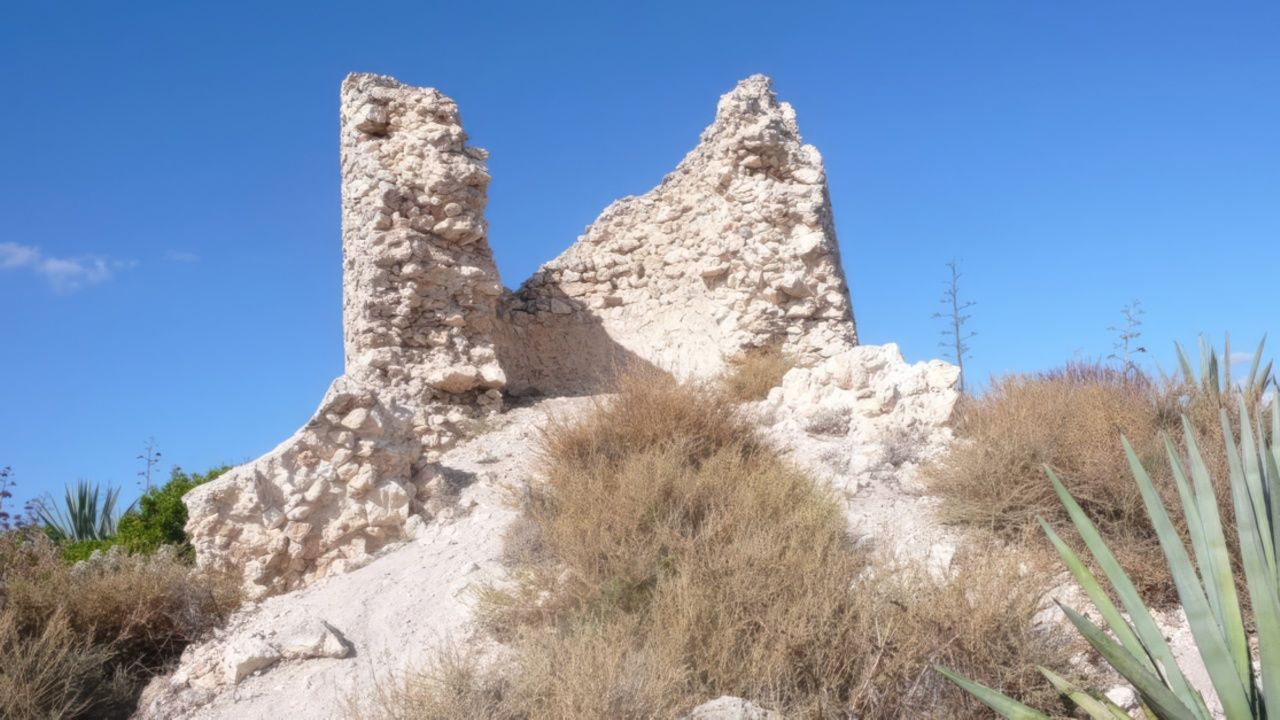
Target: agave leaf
1185,364
1271,463
1097,709
1085,578
1248,456
1209,368
1226,362
1259,577
1162,700
80,516
1144,625
1195,527
1215,570
1260,384
1208,635
1007,707
1251,382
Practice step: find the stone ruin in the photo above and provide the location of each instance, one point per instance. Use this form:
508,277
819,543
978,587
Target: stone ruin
734,250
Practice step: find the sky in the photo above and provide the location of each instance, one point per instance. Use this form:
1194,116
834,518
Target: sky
169,192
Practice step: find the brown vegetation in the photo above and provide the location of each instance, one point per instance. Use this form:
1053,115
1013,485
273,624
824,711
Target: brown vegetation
670,558
1072,420
81,640
753,374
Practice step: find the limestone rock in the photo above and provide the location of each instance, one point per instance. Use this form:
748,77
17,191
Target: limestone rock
731,708
896,413
247,656
311,638
1123,696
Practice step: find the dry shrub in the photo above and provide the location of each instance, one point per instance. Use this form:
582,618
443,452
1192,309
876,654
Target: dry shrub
1072,420
132,615
649,409
753,374
679,560
53,673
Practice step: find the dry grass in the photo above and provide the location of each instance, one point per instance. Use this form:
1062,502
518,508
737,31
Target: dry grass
121,618
670,559
753,374
54,673
1072,420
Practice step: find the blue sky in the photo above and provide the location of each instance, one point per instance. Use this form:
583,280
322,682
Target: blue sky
169,251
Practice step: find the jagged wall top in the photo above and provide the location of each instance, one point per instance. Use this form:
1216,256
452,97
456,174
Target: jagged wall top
735,249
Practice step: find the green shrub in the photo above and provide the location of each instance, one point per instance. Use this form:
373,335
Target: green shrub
161,514
74,552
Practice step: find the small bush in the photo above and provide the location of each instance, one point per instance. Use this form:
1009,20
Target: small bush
161,514
74,552
671,558
753,374
133,614
49,672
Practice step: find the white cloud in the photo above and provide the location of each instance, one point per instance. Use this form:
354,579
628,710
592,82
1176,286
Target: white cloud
182,256
13,255
1241,358
64,274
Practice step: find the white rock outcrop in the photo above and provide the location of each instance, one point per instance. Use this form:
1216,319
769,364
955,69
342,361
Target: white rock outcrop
895,413
735,249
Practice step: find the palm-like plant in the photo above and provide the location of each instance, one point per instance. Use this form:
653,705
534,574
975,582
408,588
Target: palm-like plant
1136,648
81,516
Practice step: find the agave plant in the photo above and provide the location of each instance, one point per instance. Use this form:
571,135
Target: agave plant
1136,648
82,516
1214,377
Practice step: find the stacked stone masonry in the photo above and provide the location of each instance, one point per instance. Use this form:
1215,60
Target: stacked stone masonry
734,250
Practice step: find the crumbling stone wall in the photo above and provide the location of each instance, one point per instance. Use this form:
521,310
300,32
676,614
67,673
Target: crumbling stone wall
735,249
419,282
419,305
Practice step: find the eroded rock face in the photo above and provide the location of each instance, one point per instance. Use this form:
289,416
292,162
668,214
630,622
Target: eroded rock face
736,249
419,304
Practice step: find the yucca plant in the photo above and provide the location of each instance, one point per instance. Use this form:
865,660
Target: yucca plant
81,516
1136,648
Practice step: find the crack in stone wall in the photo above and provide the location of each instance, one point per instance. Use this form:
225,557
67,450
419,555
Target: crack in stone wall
734,250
